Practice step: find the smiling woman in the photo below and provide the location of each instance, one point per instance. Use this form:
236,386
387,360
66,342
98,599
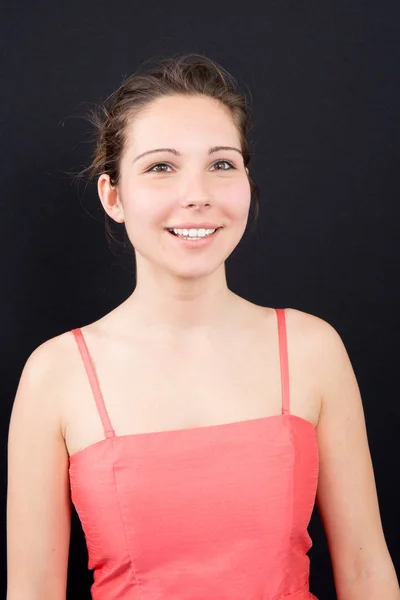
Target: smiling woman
196,476
160,185
202,84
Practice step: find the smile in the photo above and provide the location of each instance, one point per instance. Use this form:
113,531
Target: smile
193,238
192,233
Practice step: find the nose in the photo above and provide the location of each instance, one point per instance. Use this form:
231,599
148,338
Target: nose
197,203
195,193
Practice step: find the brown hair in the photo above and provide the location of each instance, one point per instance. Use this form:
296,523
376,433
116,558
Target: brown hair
188,74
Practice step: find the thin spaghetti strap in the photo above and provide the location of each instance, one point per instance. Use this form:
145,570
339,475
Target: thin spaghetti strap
94,383
284,360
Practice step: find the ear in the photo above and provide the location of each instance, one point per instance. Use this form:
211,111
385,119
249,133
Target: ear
109,197
247,171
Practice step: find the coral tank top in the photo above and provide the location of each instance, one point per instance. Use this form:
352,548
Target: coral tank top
218,512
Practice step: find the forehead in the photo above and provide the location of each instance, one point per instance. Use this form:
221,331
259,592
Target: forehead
180,120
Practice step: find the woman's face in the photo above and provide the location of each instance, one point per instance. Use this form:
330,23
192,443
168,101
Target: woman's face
174,174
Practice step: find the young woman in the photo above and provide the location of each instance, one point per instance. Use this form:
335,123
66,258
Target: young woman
191,427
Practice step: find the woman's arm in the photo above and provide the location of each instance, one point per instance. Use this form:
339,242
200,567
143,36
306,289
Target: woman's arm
38,499
347,498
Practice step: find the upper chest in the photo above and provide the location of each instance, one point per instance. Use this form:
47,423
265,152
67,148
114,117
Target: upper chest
171,383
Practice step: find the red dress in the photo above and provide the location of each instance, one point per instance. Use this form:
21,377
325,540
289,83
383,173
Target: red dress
217,512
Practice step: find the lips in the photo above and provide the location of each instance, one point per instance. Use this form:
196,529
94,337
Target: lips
195,226
193,241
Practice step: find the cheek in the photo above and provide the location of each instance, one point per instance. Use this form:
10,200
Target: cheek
144,208
235,200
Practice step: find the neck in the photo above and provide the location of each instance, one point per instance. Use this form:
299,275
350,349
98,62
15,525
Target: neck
180,305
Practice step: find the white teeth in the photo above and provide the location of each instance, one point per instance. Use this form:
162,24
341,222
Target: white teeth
194,233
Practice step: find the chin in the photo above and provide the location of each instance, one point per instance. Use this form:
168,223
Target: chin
191,273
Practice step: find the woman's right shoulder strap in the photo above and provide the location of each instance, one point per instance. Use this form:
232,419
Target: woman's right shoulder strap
93,380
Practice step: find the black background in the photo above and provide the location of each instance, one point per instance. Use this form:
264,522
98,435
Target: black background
324,81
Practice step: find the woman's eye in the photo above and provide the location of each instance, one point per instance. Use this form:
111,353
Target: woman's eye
224,162
156,169
162,167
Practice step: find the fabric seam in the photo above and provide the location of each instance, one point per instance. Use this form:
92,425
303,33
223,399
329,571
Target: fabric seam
136,581
290,529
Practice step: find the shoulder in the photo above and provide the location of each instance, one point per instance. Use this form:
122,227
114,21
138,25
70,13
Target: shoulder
318,347
46,377
325,358
313,333
305,322
49,359
309,337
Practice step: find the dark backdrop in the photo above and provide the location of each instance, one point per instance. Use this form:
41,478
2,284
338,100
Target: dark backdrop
324,78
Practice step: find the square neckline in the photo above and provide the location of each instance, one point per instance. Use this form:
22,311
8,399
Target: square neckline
110,433
182,432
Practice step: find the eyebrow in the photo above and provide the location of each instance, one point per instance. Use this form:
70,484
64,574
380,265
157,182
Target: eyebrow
176,153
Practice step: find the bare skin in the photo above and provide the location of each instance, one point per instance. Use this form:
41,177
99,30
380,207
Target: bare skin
154,382
184,351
